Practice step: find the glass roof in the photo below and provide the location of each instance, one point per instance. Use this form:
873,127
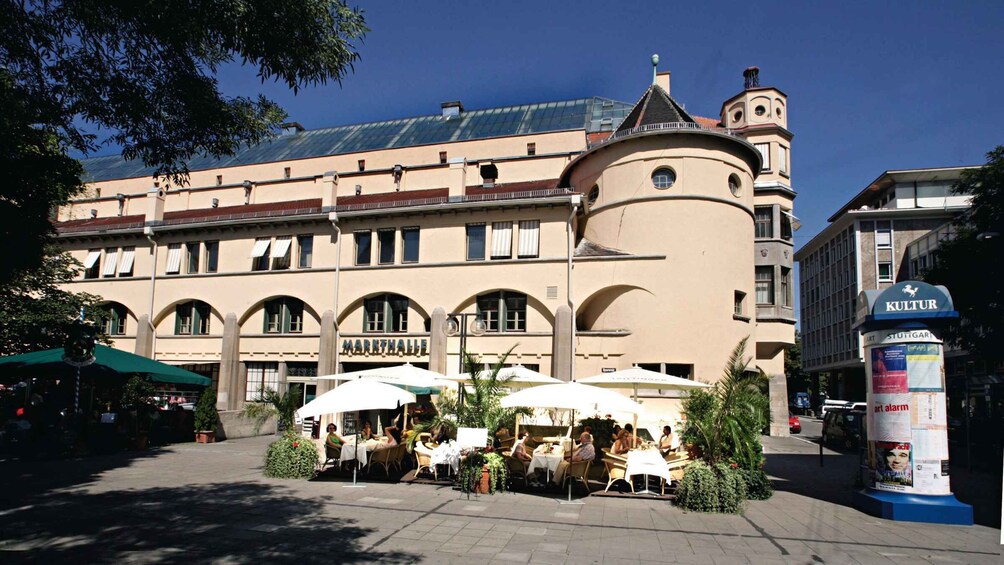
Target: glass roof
591,114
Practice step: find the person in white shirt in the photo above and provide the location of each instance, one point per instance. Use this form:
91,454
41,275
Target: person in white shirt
585,452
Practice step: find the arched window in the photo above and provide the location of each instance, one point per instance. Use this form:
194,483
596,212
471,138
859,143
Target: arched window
191,318
386,313
115,324
283,316
503,311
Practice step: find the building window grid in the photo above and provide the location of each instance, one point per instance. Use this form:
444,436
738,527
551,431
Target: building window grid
192,250
765,285
260,377
283,315
364,247
764,222
476,242
410,244
377,310
503,305
212,253
305,251
386,242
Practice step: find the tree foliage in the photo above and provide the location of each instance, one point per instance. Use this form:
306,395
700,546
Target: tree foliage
143,76
724,423
970,264
271,403
37,311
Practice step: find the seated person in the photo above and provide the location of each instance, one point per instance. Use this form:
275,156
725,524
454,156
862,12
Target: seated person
635,442
392,438
367,432
585,452
519,448
666,440
333,440
442,435
616,433
623,444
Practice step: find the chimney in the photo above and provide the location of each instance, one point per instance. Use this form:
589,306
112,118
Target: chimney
155,206
290,128
329,195
662,79
458,178
751,78
452,109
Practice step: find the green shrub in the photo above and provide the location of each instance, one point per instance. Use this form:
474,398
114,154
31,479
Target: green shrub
721,488
206,415
758,486
731,489
603,430
291,457
699,488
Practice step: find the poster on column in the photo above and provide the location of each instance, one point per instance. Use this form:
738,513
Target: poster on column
924,364
889,365
891,420
930,461
892,462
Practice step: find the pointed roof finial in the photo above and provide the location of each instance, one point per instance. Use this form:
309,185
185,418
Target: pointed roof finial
655,66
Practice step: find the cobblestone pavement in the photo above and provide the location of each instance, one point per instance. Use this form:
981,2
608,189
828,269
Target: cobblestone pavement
210,503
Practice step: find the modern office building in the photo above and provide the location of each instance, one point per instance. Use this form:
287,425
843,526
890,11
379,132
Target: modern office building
588,235
865,246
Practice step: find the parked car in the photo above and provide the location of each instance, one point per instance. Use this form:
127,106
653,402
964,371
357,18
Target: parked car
842,427
794,425
801,401
830,405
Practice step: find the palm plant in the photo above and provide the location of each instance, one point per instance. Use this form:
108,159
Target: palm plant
725,422
272,403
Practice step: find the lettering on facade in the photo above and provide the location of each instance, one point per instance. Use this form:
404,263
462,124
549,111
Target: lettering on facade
386,346
911,305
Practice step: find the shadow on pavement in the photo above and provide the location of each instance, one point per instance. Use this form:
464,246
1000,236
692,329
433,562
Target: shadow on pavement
835,482
237,522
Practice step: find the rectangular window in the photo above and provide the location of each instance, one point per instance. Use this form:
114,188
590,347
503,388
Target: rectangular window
398,306
529,238
362,165
386,241
531,148
885,271
92,264
305,251
374,315
219,180
764,221
782,159
475,242
260,255
183,319
128,258
364,247
409,245
287,172
765,285
488,311
212,256
501,240
442,157
111,260
786,225
740,298
515,312
283,315
883,239
293,317
193,256
785,287
281,253
174,259
764,149
260,377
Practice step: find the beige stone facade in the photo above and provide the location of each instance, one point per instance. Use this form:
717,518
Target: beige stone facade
269,269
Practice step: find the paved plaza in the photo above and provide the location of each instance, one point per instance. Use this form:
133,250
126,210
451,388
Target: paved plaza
210,503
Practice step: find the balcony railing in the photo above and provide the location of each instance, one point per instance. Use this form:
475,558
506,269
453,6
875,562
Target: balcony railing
667,126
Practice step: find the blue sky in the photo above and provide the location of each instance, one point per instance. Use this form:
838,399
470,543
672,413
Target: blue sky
871,86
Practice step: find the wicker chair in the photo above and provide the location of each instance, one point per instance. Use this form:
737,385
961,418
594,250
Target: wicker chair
385,457
616,471
507,443
423,461
578,470
517,469
331,455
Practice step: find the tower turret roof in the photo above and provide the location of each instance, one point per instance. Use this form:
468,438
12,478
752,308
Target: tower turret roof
656,106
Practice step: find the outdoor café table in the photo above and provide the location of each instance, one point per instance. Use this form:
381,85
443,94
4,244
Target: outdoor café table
544,460
349,450
646,462
446,454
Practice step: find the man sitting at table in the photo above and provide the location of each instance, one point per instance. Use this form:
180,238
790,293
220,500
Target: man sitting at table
519,448
585,452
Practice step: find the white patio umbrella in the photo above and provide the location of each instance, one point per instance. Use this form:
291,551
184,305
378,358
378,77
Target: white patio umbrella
572,396
636,377
519,373
403,375
354,396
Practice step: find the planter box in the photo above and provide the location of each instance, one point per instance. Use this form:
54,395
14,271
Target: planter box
205,437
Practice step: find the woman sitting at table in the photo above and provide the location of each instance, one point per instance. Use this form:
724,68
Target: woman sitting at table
616,433
333,440
392,437
519,448
367,432
623,443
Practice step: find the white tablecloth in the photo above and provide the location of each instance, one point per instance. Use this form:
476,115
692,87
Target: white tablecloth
349,451
547,461
446,454
647,462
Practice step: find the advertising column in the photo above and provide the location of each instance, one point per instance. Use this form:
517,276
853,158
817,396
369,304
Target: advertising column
907,422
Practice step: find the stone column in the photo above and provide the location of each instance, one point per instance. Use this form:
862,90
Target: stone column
144,337
437,341
326,347
561,344
778,389
229,396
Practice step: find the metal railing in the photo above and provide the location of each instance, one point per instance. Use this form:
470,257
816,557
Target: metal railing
665,127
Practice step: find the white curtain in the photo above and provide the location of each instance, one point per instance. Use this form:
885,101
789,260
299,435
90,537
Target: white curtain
529,238
501,239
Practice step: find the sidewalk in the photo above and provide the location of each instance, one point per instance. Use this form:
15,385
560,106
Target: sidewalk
209,503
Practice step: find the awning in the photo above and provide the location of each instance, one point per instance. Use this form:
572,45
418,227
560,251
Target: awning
174,258
110,257
91,259
125,266
260,247
108,362
795,222
282,245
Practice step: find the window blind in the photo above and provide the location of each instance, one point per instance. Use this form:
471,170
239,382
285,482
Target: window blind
529,238
282,245
260,247
128,255
92,258
174,258
111,255
501,240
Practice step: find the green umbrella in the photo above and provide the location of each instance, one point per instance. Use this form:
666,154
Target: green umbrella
108,362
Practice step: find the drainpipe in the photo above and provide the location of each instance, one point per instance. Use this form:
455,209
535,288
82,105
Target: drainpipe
148,232
575,202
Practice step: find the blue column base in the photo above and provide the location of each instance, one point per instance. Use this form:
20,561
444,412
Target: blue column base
943,509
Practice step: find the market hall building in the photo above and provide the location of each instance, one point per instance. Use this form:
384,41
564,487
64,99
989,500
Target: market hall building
589,235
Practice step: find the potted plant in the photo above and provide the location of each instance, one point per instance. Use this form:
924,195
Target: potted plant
483,472
206,416
137,401
272,403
